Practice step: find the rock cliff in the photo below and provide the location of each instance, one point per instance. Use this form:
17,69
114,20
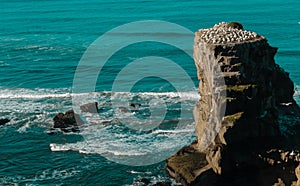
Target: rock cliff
247,121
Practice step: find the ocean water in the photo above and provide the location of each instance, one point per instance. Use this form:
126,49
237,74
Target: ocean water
41,44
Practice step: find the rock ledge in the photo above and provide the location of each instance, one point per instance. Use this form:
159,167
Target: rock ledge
256,143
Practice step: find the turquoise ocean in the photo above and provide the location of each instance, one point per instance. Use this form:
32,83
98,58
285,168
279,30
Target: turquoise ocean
41,44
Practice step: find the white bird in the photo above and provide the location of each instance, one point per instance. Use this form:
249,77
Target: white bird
286,104
292,153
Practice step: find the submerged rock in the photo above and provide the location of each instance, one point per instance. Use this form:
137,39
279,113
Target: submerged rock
145,181
67,122
255,142
90,107
163,184
4,121
134,105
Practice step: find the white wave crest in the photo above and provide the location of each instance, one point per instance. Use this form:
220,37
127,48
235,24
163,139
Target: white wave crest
173,131
116,143
22,93
63,93
58,147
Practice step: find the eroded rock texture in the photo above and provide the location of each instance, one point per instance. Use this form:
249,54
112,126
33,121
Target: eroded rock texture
247,122
90,107
68,121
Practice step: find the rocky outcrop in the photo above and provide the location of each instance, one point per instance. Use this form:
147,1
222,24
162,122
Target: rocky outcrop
162,184
4,121
67,122
145,181
90,107
247,121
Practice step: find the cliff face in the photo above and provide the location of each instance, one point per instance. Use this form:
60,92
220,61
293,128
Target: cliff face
246,119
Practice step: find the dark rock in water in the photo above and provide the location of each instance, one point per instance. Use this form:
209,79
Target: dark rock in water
135,105
145,181
132,106
68,122
258,141
163,184
90,107
4,121
53,131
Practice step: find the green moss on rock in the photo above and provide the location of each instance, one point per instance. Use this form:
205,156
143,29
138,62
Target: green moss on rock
233,118
230,99
240,88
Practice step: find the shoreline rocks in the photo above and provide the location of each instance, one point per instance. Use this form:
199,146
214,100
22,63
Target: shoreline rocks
256,142
4,121
90,107
68,121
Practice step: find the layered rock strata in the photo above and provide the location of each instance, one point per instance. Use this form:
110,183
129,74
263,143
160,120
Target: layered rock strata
247,121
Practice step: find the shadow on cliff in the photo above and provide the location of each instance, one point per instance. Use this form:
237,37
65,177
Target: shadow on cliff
258,141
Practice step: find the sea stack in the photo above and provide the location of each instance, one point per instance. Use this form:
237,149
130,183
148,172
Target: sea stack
255,141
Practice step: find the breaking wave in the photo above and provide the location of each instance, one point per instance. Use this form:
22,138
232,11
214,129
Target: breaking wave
104,133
